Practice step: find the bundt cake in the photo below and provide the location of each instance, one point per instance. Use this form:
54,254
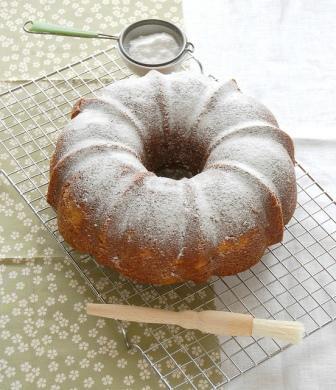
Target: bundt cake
176,177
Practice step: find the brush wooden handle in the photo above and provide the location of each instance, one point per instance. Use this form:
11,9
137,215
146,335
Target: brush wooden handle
209,321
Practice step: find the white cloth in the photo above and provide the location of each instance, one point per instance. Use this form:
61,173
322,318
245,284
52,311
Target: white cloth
283,53
280,51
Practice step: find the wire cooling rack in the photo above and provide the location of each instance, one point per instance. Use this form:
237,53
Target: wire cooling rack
294,280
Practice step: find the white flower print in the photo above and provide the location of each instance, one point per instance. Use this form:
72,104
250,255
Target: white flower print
63,322
100,323
23,303
48,251
25,367
62,298
70,274
102,340
18,206
35,229
35,343
128,380
73,283
142,364
82,318
81,289
76,338
38,269
91,354
12,275
20,286
73,375
58,267
98,366
3,364
50,301
8,212
74,328
29,330
52,354
51,277
15,235
22,347
31,252
103,350
27,222
5,334
5,249
88,383
53,366
40,240
107,380
84,363
9,298
83,346
147,332
93,332
122,363
16,385
41,383
33,298
39,351
135,339
39,323
28,237
63,334
145,374
26,271
54,329
196,350
69,360
18,246
42,311
60,378
28,311
37,280
58,316
10,371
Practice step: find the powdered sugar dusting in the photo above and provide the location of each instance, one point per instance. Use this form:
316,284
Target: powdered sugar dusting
110,144
157,210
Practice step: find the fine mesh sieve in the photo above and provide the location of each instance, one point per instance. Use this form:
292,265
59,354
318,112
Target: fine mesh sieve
134,30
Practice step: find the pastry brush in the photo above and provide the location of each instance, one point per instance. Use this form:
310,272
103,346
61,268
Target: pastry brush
220,323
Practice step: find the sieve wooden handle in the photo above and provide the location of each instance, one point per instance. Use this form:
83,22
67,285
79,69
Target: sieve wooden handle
209,321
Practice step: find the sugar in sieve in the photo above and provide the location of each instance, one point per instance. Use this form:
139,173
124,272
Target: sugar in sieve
134,30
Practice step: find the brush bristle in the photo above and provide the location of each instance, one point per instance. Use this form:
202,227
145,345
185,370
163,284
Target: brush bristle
290,331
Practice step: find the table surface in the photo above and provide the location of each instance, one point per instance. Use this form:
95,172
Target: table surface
281,52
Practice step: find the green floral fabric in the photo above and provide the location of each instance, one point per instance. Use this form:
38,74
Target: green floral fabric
46,339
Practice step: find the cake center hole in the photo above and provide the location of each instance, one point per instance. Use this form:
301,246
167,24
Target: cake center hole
175,157
174,172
